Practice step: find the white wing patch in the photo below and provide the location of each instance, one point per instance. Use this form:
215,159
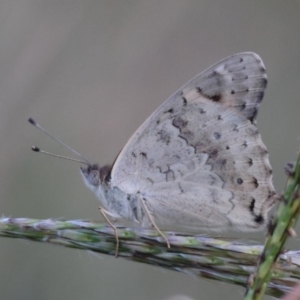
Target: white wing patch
198,160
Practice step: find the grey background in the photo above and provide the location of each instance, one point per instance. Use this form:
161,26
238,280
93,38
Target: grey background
91,72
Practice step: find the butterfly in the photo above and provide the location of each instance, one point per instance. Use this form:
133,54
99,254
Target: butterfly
198,162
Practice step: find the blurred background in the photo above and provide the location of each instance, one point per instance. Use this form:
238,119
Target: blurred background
91,72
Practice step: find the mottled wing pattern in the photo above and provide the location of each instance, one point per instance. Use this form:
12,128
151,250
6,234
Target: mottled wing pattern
199,160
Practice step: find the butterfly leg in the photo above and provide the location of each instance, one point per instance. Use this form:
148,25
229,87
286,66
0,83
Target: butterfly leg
152,220
104,214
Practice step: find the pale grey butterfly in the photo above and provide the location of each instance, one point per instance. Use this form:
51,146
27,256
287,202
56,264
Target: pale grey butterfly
198,162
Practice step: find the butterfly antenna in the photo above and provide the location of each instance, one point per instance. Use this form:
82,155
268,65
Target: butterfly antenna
36,149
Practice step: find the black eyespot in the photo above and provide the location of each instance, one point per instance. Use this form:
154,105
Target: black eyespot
239,181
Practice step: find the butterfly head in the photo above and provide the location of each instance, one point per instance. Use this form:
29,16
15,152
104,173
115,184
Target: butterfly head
93,175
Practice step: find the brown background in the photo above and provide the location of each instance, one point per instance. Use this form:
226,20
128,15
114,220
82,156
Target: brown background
91,72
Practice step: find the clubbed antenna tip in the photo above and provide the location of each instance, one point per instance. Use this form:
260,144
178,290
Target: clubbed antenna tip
31,121
35,149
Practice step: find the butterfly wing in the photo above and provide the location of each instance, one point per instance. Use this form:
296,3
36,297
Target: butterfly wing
199,160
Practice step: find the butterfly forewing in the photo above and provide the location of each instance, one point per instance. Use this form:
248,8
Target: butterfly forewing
198,160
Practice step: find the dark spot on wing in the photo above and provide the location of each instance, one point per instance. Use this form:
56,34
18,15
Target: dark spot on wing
252,205
150,180
250,161
259,219
255,183
213,153
244,146
143,154
220,163
179,123
242,106
217,135
262,69
215,98
235,128
199,145
253,115
239,181
260,96
187,134
199,90
263,150
164,136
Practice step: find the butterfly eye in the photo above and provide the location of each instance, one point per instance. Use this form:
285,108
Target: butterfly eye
94,177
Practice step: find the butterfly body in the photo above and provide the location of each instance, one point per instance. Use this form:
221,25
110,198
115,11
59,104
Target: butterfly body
198,161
